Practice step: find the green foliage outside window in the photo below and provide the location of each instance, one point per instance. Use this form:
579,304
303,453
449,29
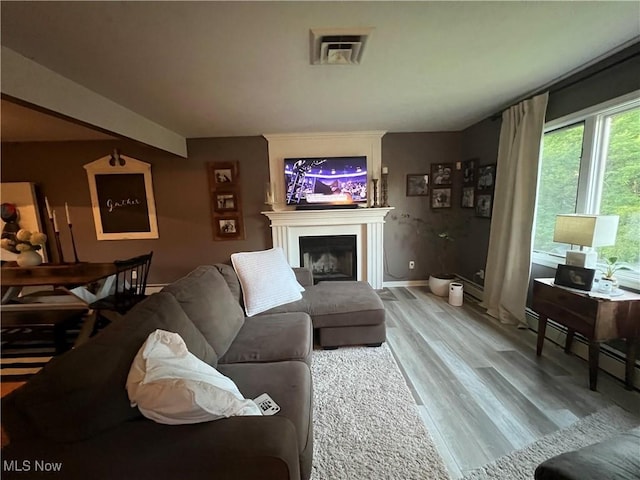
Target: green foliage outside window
558,183
621,189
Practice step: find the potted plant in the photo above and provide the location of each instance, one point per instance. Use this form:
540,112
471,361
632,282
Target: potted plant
608,273
441,235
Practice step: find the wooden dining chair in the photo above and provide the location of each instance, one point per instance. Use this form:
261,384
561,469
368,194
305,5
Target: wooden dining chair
129,289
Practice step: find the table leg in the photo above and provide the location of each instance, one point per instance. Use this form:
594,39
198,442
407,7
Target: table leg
569,341
59,338
632,352
594,357
542,327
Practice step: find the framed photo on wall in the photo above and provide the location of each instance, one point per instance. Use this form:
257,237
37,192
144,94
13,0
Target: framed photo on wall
441,174
417,184
225,201
228,227
484,204
468,197
441,198
469,173
222,174
486,178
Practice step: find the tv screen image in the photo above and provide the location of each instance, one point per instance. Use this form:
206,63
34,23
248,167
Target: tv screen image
325,181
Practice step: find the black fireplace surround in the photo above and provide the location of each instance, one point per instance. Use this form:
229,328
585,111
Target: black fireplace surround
329,257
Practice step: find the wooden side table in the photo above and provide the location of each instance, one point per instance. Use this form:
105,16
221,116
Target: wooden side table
598,319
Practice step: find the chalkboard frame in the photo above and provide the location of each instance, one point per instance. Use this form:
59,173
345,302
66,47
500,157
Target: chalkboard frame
123,166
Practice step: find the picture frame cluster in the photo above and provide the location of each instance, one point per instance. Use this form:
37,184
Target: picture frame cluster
226,207
478,183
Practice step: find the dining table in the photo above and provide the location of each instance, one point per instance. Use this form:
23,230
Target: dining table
14,278
49,312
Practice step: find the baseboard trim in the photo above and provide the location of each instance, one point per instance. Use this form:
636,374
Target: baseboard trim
406,283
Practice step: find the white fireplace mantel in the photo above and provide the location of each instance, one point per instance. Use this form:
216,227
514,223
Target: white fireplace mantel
365,223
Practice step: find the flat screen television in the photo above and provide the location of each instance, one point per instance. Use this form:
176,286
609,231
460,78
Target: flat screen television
321,182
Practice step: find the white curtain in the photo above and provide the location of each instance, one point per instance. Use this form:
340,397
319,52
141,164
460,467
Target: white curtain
509,256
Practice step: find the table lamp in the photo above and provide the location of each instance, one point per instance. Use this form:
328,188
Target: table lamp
587,231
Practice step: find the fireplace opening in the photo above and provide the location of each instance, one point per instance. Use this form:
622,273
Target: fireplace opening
329,257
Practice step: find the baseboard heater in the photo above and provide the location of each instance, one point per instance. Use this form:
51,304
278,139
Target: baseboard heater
471,288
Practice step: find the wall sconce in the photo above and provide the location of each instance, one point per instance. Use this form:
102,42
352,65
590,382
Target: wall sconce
586,231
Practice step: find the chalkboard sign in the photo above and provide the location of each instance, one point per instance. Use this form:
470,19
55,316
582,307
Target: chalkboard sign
122,198
123,203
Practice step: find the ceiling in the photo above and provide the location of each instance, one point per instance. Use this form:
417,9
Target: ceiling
211,69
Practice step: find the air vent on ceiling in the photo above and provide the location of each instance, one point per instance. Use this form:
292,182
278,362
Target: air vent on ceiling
338,46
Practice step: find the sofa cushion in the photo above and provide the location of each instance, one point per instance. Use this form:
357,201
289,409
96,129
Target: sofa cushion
205,297
229,275
266,279
272,338
337,304
290,386
170,385
81,393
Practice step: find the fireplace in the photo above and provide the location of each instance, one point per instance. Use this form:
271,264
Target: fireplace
366,224
329,257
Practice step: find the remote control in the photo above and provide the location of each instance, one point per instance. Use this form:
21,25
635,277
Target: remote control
267,405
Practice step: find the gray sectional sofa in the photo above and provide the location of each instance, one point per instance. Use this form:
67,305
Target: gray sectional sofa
76,412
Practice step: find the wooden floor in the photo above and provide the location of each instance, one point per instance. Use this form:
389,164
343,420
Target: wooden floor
480,388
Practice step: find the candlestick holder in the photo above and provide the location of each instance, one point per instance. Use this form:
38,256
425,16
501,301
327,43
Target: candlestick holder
375,193
385,191
59,247
73,244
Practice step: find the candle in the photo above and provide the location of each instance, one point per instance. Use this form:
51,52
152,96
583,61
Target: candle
385,170
46,202
66,209
55,222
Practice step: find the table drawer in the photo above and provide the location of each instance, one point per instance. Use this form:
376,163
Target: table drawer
576,311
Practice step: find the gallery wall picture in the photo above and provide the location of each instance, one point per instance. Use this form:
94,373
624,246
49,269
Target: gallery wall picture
486,178
441,174
417,184
441,197
468,184
122,198
485,185
468,197
226,204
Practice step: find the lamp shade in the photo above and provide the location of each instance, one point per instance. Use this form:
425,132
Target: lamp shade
586,230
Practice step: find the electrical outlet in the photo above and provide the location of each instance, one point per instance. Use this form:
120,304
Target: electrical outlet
412,265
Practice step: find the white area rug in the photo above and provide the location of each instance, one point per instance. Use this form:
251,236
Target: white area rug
366,423
521,464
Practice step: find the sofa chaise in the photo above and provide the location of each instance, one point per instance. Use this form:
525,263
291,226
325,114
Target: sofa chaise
343,313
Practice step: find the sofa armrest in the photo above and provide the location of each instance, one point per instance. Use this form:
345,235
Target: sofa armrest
304,276
228,449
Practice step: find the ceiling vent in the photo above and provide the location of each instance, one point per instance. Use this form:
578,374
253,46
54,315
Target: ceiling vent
338,46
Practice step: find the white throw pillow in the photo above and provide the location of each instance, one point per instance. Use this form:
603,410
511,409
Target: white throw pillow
267,280
170,385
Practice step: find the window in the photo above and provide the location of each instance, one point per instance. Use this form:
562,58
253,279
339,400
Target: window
590,163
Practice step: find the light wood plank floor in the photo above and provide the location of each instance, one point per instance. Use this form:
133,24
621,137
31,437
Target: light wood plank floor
480,388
